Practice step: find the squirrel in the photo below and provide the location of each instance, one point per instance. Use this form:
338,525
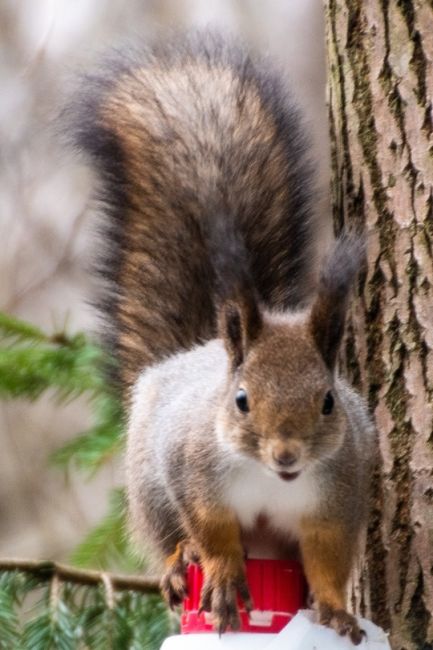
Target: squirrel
240,428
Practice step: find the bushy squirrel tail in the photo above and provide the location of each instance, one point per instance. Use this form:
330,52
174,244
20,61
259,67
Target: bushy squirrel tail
205,183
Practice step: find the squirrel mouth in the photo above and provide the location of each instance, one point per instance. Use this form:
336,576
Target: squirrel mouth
288,476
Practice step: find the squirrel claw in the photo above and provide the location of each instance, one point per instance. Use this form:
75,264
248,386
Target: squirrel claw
221,600
224,610
342,622
205,600
173,587
244,593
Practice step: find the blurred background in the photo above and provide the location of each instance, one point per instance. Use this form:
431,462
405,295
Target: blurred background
46,216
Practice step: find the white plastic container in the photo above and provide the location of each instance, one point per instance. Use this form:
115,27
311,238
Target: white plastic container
211,641
302,633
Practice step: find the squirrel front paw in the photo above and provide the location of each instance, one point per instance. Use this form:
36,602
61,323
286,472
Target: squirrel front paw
342,622
173,582
173,585
219,596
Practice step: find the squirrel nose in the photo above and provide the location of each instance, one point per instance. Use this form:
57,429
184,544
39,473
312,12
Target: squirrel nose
285,458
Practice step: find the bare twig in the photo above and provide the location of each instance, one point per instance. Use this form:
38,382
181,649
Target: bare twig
65,257
109,591
46,570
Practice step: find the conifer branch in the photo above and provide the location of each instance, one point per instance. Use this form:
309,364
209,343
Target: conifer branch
46,604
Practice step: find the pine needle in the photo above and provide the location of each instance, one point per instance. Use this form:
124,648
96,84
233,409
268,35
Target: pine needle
17,330
9,633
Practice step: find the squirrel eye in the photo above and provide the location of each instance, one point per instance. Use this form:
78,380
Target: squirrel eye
328,403
242,401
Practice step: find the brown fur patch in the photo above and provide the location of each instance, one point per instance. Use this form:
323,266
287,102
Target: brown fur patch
218,532
328,550
217,535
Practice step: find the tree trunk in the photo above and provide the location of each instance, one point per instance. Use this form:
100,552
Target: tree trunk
380,57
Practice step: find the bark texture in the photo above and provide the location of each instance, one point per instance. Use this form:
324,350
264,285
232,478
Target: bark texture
380,61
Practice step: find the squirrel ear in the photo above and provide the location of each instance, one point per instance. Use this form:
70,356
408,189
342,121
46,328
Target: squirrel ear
328,313
239,324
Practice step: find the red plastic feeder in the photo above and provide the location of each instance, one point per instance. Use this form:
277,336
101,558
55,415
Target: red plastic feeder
278,590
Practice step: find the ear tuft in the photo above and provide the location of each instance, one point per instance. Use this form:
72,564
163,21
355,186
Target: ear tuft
328,313
240,322
231,331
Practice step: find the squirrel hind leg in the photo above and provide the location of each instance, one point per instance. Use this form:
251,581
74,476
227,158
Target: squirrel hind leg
328,553
173,582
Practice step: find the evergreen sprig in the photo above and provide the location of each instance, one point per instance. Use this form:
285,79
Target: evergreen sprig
75,608
40,611
32,362
18,330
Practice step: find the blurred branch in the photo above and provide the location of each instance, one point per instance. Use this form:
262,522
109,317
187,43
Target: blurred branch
46,570
40,50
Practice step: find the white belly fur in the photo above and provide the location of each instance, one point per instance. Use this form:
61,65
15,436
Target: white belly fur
252,491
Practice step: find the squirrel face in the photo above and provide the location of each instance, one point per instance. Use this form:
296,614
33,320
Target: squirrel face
281,407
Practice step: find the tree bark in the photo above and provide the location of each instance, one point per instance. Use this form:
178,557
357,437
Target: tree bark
380,62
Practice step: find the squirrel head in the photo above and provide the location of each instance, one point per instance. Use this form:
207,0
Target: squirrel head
281,405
